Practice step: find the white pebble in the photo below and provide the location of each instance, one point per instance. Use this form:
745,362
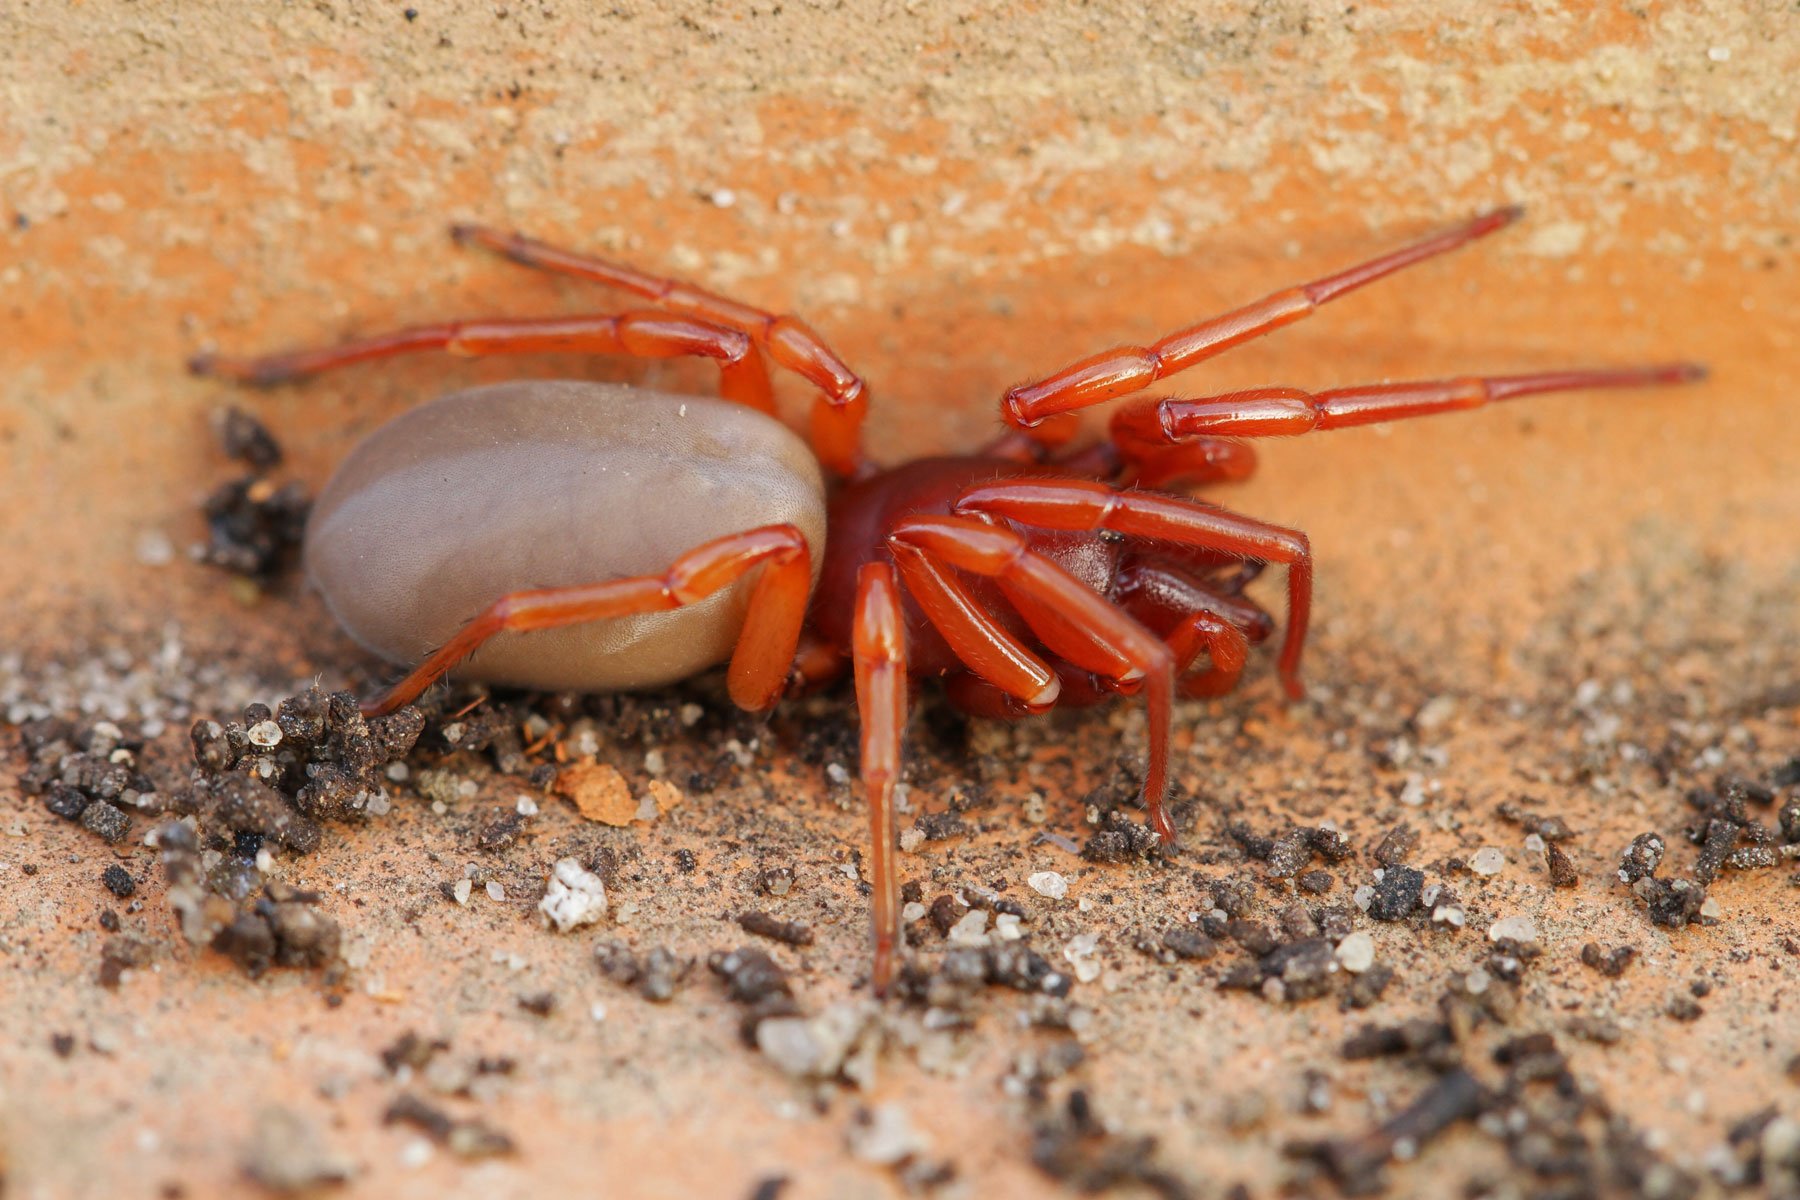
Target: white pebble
1711,909
911,911
527,807
1477,981
1006,927
1434,712
1048,883
1362,897
461,891
1487,861
154,549
264,734
1718,54
597,1011
1449,914
792,1046
575,896
886,1138
912,839
1534,843
971,930
1037,810
1080,954
1356,953
1519,929
495,891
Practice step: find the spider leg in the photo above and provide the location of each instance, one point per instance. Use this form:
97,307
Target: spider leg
1147,430
838,416
765,646
1112,643
743,375
1080,504
982,643
1191,462
1201,623
881,679
1119,372
817,662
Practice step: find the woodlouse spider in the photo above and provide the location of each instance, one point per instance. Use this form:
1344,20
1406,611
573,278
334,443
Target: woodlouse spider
590,536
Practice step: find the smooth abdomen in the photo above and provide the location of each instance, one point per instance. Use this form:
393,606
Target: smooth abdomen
450,506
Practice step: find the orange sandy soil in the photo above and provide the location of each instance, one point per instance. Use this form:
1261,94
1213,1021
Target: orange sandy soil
958,196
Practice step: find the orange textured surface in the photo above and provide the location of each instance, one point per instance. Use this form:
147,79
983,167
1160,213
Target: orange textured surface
959,197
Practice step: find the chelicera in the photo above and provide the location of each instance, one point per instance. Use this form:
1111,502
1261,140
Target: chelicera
591,536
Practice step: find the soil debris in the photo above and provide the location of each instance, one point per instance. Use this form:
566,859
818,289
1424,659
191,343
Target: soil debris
1071,1145
287,1154
598,792
469,1137
763,924
1358,1163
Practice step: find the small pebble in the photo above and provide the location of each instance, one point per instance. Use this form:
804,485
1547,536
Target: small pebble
154,549
574,897
495,891
1080,954
971,930
884,1136
1049,883
1487,861
461,891
1518,929
1356,953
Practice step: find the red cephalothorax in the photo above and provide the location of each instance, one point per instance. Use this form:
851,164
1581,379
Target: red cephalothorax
609,537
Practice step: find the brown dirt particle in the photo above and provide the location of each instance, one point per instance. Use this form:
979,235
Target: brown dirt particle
598,791
765,925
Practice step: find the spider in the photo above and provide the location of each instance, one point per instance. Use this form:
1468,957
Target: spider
591,536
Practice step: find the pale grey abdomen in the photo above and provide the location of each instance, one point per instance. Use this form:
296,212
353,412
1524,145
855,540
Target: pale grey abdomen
450,506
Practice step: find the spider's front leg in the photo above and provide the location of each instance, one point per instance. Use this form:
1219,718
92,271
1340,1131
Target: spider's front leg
1115,373
1148,430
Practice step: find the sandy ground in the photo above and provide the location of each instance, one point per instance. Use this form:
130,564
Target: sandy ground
1581,607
